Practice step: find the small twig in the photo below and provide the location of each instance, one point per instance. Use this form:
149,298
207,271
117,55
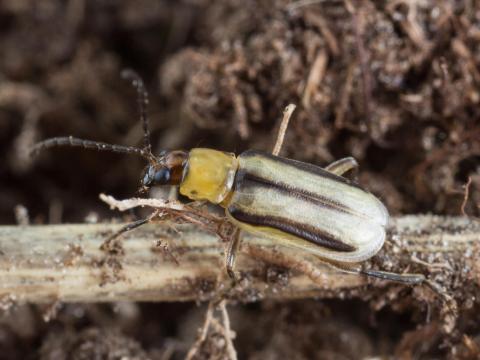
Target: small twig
465,196
55,211
51,311
203,333
358,27
229,335
342,107
409,22
471,345
302,3
315,77
241,115
460,48
123,205
21,215
440,266
442,292
316,19
287,113
224,329
33,102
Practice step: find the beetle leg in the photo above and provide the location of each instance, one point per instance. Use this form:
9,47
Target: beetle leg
126,228
341,166
411,279
231,253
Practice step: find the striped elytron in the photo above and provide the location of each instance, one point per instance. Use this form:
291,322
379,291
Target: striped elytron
294,203
306,206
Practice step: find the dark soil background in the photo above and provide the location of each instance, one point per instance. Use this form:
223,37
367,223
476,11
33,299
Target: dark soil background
396,84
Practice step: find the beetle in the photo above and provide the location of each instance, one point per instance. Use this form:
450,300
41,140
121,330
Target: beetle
296,204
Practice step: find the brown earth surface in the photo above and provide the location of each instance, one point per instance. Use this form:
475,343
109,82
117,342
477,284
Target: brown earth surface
396,84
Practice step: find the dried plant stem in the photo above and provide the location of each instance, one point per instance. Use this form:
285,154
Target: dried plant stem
65,262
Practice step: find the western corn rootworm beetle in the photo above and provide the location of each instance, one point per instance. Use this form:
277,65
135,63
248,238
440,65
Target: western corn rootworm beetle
296,204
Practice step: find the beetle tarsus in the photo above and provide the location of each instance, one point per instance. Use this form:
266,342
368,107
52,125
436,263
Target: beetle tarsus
411,279
128,227
232,276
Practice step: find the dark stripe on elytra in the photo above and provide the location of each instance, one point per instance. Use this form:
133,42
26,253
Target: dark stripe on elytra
310,168
246,180
302,231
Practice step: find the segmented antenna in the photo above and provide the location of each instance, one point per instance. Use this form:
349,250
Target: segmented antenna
142,100
146,151
87,144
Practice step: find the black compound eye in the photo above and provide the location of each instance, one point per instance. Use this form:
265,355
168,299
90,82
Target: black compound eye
162,176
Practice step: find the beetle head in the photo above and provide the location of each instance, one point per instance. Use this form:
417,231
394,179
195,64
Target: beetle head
167,169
